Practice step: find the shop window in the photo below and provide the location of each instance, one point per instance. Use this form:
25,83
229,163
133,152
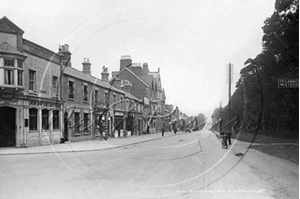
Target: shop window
56,119
45,119
33,119
32,80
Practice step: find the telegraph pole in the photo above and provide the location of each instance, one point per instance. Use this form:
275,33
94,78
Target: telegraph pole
230,74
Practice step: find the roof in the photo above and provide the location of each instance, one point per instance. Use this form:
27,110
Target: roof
129,95
80,75
6,48
125,68
14,26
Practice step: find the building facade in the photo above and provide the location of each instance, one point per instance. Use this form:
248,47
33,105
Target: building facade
146,86
45,100
30,103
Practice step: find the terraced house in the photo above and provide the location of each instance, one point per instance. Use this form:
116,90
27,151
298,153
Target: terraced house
45,100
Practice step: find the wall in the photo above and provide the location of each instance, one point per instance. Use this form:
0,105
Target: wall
138,89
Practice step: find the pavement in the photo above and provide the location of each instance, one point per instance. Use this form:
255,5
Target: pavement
82,146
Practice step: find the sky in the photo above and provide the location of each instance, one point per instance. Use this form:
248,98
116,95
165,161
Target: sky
190,41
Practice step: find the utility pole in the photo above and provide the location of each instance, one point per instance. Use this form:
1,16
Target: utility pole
230,78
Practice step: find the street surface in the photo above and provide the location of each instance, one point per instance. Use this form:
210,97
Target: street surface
186,165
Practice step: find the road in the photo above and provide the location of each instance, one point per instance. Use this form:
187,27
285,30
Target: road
186,165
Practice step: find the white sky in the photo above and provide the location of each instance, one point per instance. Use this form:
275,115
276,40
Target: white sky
191,41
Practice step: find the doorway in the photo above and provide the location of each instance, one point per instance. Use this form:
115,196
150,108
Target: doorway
7,127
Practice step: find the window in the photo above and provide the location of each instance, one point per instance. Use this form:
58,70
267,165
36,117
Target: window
96,96
56,119
106,98
54,82
127,104
33,119
45,119
54,85
20,64
9,77
77,122
114,97
31,80
9,62
71,90
122,102
20,78
85,93
86,121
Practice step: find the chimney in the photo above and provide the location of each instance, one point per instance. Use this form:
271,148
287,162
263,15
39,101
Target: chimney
104,74
66,59
86,66
116,83
145,69
125,62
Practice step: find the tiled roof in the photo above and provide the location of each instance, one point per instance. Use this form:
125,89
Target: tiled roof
6,48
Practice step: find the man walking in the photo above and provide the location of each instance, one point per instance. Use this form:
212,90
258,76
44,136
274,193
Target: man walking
162,131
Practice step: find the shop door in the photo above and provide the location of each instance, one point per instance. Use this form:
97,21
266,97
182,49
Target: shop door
7,127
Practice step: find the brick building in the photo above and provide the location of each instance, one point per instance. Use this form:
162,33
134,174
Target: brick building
31,108
146,86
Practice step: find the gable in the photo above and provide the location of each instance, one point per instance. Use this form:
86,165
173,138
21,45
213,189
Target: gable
127,74
9,27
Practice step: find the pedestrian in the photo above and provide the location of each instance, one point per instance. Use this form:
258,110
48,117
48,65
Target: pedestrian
229,136
162,131
223,136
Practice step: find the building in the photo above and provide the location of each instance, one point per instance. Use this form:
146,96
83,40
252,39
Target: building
31,108
146,86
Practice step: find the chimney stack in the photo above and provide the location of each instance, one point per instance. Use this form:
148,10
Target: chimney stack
86,66
104,74
125,62
145,69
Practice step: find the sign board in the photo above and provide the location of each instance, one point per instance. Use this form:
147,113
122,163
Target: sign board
146,101
119,114
288,83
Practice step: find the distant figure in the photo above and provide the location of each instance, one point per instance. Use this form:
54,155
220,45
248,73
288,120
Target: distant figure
148,129
163,131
